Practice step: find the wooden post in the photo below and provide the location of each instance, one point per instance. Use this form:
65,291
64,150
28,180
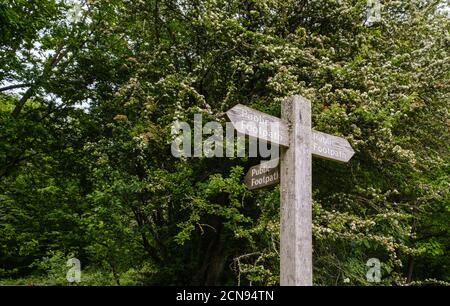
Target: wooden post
296,195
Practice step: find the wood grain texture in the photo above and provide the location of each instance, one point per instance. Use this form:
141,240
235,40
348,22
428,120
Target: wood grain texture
296,195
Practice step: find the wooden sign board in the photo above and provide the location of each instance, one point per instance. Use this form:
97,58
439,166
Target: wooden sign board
265,174
257,124
331,147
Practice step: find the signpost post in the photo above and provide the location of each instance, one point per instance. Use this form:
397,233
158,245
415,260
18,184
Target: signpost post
299,142
296,198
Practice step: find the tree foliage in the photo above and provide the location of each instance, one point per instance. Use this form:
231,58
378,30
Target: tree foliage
86,107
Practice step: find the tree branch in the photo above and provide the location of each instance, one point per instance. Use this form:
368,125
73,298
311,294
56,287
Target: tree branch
53,61
14,86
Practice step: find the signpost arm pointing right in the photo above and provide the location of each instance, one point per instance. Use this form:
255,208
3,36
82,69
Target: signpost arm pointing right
296,195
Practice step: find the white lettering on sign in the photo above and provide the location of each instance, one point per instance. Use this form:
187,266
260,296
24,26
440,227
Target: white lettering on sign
265,179
328,151
257,124
254,117
265,174
264,130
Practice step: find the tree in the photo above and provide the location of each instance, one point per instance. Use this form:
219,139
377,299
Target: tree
99,181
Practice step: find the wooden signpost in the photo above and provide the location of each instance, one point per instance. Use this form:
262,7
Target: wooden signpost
299,142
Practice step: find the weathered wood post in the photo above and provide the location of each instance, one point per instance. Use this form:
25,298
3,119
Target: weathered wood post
296,195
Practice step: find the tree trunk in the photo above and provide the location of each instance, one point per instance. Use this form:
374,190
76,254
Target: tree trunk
410,269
